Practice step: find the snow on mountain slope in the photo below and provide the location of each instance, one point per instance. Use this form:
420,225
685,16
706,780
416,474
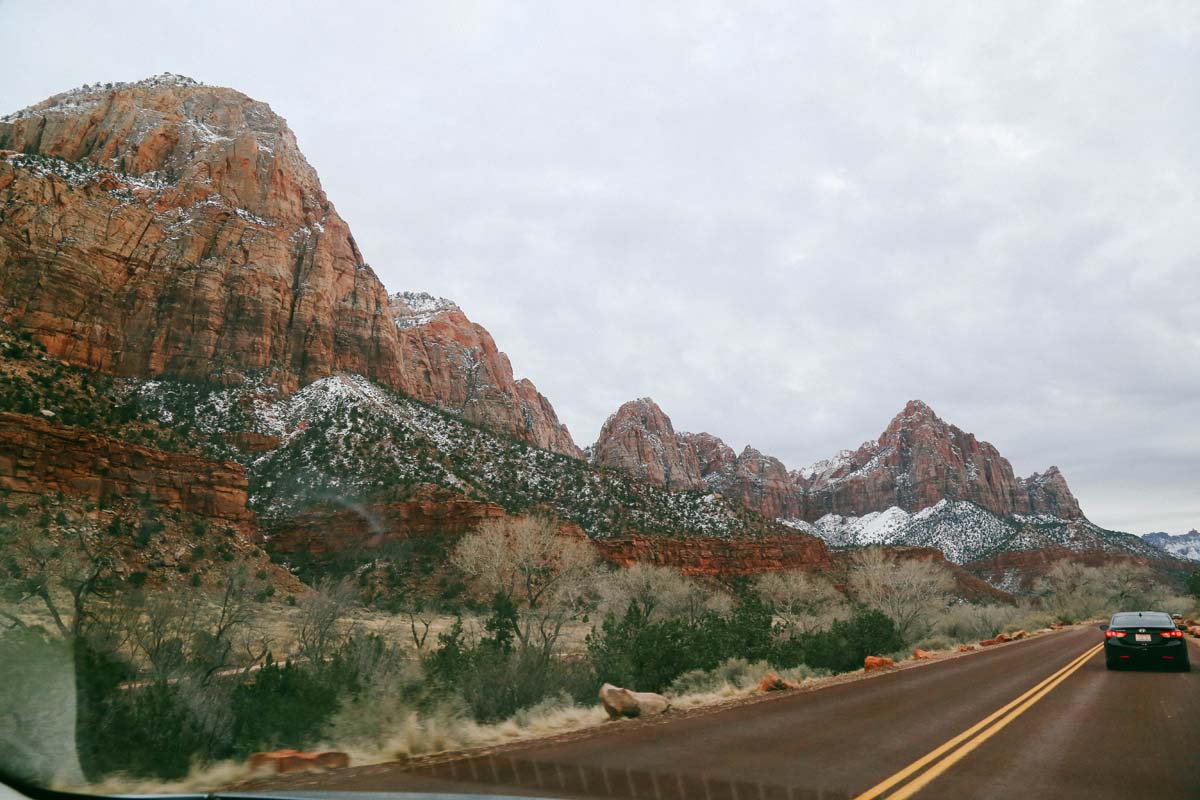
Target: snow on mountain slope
1184,545
965,532
346,439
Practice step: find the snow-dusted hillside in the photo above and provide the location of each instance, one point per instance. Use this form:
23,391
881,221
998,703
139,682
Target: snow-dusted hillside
966,532
345,439
1184,545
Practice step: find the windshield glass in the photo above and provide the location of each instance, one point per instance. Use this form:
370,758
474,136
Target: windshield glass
604,399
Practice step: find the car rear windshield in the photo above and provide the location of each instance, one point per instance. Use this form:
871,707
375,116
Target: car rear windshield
1145,620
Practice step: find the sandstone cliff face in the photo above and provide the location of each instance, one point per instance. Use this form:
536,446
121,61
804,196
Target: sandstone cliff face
640,440
918,461
451,362
182,232
755,480
169,228
716,459
39,458
719,557
325,531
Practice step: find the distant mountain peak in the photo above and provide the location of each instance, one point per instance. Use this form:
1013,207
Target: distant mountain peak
918,461
1181,545
640,439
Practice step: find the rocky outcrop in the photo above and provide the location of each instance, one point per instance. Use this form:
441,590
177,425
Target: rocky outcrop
715,458
451,362
719,557
168,228
323,531
640,440
760,482
39,458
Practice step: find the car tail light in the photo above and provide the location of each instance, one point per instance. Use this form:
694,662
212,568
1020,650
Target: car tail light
1175,634
1114,634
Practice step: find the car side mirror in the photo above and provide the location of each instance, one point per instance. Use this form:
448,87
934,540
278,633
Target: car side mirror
1102,626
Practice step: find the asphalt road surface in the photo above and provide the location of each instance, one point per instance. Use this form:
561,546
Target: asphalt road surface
1032,719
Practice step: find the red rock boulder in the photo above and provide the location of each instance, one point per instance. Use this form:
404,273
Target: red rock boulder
296,761
772,682
877,662
1000,639
921,655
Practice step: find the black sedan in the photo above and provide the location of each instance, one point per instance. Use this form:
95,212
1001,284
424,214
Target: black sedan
1144,638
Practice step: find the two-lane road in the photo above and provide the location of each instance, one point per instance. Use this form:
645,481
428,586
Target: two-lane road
1038,718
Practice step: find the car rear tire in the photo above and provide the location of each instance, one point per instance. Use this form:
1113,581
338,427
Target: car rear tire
1111,665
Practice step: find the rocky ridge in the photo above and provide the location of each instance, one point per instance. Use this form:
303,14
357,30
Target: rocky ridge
917,462
172,234
967,532
168,228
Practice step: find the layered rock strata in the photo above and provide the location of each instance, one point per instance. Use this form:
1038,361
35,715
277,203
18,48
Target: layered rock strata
39,458
165,227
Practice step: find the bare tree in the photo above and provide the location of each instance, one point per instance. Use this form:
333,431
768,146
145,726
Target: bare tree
1073,591
910,591
231,638
548,576
163,629
419,616
657,592
65,576
319,628
802,601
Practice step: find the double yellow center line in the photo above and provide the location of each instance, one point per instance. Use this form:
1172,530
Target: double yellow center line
953,751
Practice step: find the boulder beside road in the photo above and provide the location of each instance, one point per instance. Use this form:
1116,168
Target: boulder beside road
296,761
772,682
620,702
877,662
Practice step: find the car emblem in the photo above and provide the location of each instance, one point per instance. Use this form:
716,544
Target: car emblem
1141,630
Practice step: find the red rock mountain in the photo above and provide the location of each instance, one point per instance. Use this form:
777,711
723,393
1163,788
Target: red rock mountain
640,439
165,227
917,461
921,459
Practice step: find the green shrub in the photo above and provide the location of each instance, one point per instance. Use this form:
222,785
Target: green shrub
844,646
649,656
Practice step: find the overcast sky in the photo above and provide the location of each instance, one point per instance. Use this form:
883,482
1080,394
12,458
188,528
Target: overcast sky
779,220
